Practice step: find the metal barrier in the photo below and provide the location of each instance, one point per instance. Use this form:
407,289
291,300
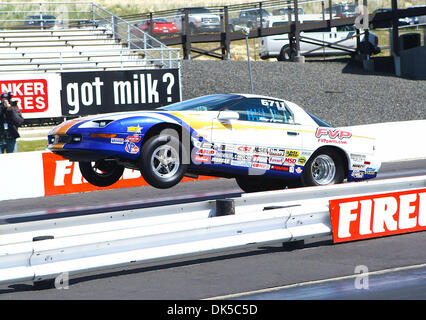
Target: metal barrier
39,250
254,15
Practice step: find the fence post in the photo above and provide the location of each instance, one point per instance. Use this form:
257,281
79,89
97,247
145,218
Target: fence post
150,26
358,41
298,58
225,41
260,20
395,46
186,43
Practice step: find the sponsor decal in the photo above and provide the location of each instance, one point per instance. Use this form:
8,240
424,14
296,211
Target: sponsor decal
358,174
279,168
135,138
276,160
257,158
117,140
196,143
276,152
226,148
332,133
332,141
242,157
301,161
244,149
200,158
292,153
30,95
137,129
298,170
225,155
291,169
370,171
357,157
208,152
260,150
221,160
131,148
262,166
207,145
378,215
290,161
358,166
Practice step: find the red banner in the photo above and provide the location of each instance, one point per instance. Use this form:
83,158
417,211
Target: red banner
62,176
31,95
378,215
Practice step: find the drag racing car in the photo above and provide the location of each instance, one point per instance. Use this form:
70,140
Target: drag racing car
265,143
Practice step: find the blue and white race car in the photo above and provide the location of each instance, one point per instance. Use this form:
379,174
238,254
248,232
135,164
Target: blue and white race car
265,143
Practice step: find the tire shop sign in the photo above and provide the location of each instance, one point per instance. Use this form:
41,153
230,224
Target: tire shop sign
97,92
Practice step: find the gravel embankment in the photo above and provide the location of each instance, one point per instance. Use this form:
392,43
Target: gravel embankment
339,93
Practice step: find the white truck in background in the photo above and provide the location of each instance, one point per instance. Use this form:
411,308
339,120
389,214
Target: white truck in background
278,46
200,20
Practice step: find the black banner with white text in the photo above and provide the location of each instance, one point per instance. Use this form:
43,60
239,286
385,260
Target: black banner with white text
87,93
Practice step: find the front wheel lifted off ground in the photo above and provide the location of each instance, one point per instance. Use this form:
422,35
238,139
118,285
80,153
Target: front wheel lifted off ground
161,162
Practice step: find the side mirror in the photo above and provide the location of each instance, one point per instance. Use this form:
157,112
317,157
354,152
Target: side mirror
226,116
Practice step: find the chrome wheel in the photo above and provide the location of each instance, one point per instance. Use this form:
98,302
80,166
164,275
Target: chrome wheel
323,169
165,161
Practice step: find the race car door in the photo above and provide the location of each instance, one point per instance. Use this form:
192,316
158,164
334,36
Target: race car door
264,127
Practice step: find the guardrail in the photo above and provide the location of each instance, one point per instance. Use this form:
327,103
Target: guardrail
40,250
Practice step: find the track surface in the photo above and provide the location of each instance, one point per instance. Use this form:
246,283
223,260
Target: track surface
245,270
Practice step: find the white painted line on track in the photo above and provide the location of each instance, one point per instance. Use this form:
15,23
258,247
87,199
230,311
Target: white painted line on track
300,284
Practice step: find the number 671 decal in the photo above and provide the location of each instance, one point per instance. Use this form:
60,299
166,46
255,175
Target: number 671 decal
271,103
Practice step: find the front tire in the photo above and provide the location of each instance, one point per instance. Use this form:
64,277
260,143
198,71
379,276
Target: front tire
101,173
323,168
161,162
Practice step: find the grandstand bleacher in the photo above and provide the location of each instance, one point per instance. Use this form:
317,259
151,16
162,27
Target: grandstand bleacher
109,45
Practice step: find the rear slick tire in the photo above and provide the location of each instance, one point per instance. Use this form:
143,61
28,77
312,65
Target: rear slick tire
323,168
101,173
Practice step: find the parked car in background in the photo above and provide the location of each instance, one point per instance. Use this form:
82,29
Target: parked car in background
284,11
421,19
249,18
200,20
159,26
278,46
388,24
43,20
342,10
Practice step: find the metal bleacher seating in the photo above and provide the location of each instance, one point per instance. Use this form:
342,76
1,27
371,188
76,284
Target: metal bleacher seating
56,50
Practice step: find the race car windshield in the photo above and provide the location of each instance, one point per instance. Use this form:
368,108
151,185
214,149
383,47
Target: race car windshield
214,102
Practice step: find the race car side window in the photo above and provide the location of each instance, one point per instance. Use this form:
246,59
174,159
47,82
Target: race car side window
262,110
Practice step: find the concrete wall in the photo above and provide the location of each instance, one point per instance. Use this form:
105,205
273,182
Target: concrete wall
413,63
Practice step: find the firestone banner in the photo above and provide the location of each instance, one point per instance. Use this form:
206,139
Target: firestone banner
378,215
